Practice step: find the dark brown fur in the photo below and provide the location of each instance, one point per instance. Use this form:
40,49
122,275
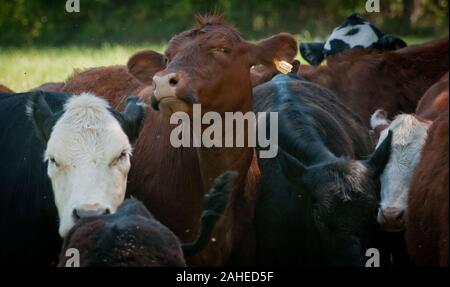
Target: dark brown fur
4,89
427,213
49,87
435,100
366,80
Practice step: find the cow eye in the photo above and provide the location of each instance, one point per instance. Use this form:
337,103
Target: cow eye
225,50
123,155
53,161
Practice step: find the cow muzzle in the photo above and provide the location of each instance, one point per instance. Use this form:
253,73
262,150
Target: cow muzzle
164,87
392,219
165,94
89,210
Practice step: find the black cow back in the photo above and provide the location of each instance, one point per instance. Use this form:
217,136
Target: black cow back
28,215
283,218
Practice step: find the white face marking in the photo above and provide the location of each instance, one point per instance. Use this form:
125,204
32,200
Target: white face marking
365,36
409,136
88,159
378,118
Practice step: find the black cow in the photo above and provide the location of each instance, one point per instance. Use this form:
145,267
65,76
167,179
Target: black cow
355,32
28,216
318,201
133,237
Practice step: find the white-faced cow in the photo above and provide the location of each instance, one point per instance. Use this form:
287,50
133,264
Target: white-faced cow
355,32
409,138
82,145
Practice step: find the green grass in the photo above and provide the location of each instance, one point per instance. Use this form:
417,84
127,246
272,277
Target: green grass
22,69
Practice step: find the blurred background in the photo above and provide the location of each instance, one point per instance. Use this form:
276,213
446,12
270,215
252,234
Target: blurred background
40,41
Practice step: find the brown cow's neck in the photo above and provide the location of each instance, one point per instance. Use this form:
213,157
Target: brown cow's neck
215,161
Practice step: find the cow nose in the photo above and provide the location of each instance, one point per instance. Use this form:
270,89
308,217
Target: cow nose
392,219
164,86
83,212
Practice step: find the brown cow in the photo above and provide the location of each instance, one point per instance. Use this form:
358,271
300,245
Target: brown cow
115,82
435,100
49,87
4,89
366,80
427,213
211,64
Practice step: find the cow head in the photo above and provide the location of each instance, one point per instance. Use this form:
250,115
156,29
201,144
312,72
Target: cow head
407,143
88,153
210,65
343,197
131,237
355,32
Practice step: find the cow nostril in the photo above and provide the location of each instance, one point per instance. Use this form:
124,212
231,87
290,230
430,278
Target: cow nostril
400,215
173,81
79,213
75,215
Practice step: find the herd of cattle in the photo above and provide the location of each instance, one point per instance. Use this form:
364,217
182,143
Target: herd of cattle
362,162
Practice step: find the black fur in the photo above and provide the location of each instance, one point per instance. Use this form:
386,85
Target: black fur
131,237
28,215
131,118
318,203
312,52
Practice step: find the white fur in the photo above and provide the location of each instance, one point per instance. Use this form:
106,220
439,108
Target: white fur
86,143
378,119
365,36
409,136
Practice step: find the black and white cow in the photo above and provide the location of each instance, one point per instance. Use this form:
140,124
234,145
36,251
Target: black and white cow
355,32
76,144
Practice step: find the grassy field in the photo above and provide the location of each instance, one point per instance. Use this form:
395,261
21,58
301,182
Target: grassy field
22,69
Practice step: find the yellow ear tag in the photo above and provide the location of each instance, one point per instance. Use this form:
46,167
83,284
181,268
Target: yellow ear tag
283,66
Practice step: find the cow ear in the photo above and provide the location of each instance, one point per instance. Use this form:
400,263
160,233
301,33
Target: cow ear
379,159
41,115
312,52
388,42
291,166
145,64
281,47
132,117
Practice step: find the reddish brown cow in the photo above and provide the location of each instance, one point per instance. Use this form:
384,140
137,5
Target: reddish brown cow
116,82
209,64
435,100
4,89
366,80
427,213
49,87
